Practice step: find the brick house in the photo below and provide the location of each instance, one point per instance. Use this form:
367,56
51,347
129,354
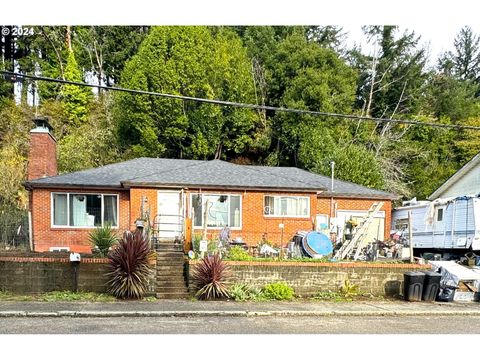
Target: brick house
175,195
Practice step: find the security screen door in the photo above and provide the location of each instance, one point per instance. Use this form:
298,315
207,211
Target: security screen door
170,220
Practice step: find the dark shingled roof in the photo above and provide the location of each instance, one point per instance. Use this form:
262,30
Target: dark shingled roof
205,174
344,188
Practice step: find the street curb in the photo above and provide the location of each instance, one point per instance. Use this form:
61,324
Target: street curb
273,313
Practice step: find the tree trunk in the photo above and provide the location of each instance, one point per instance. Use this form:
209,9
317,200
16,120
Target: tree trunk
218,152
69,38
59,58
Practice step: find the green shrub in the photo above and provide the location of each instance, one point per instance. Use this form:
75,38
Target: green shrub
212,246
278,291
129,270
238,253
102,238
196,242
243,292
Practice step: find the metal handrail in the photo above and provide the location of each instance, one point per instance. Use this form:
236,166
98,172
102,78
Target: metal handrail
156,227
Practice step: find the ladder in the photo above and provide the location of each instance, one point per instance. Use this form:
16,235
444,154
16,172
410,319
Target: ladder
357,242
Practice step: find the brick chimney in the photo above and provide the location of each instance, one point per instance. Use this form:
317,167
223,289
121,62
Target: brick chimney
42,157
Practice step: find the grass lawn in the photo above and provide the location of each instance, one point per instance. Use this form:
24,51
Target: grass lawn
63,296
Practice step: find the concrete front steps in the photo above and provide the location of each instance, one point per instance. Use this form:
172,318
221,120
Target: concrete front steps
170,282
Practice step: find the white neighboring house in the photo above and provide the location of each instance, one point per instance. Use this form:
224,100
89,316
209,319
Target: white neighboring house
464,181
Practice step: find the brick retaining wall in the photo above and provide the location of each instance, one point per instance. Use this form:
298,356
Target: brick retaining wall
33,275
30,275
309,278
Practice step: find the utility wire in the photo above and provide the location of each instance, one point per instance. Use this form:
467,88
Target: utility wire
15,76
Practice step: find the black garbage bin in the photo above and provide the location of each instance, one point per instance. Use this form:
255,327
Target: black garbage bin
431,285
413,285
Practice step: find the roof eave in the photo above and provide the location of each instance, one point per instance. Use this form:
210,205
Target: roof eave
32,185
329,194
127,184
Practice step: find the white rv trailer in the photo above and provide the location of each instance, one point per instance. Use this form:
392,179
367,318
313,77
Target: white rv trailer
442,224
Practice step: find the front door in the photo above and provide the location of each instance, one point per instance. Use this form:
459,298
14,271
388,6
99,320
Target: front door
169,220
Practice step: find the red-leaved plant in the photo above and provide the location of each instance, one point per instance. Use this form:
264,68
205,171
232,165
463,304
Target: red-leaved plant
210,275
129,270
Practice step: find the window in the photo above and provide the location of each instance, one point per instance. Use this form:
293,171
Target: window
440,214
221,210
84,210
288,206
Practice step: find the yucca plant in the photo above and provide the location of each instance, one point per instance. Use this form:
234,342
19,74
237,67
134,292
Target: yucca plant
129,270
103,238
211,274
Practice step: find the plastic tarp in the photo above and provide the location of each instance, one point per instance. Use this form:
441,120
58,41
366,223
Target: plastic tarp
452,273
267,250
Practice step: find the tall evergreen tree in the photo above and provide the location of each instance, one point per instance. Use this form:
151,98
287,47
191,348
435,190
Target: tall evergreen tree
189,61
466,58
75,98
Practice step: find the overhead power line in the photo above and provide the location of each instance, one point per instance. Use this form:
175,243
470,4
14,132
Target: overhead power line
16,76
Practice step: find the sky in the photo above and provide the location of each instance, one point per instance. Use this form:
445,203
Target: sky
438,38
436,21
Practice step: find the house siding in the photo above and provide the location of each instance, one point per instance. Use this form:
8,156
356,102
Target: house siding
44,236
150,204
323,207
255,225
467,184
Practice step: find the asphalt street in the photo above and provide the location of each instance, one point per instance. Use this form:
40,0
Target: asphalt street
244,325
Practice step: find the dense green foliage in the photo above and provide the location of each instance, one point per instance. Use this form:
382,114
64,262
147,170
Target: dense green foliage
192,61
75,98
302,67
278,291
237,253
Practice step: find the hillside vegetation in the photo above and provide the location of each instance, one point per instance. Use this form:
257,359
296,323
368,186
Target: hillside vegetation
307,67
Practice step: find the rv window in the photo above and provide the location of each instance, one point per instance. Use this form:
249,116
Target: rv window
440,215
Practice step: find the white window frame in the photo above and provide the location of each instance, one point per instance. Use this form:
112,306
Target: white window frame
286,216
53,226
443,214
217,227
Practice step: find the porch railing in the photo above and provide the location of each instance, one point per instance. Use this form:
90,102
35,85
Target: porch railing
160,224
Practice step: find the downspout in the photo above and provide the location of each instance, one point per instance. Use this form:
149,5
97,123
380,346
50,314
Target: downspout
30,222
30,231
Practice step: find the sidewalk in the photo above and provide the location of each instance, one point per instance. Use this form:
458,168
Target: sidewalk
186,308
